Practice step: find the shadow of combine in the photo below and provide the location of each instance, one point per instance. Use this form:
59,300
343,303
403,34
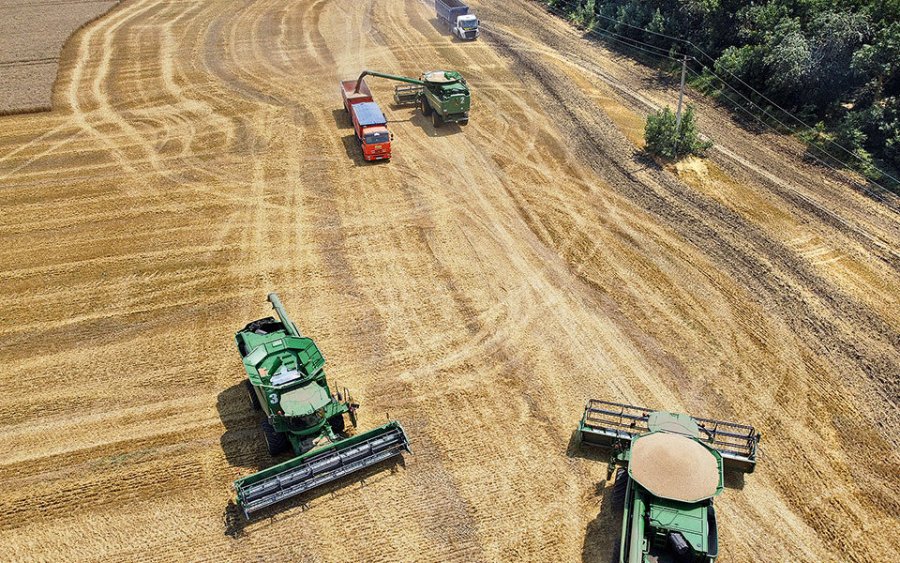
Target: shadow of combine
601,539
575,449
243,442
235,522
424,123
734,480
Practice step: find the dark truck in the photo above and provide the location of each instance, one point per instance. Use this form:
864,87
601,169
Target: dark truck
457,17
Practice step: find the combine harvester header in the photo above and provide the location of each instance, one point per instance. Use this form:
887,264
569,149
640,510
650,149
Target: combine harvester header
285,379
606,424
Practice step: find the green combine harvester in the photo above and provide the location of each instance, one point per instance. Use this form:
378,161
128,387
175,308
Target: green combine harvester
286,381
668,469
442,95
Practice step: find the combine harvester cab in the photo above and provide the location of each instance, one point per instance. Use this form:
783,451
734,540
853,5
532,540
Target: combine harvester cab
670,467
286,381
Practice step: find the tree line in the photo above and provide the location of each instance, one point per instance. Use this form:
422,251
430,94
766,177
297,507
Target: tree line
833,65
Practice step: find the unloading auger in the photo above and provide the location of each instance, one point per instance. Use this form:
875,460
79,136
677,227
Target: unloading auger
286,381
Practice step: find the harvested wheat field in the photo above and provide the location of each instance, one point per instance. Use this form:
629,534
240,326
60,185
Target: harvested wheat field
478,288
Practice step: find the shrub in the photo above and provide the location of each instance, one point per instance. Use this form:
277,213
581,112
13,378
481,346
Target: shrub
659,134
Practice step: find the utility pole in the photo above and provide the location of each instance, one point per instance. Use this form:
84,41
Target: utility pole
680,99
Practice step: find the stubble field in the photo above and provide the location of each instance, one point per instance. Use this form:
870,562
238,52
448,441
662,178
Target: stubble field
478,288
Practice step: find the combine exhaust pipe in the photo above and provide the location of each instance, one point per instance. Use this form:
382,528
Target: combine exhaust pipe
320,466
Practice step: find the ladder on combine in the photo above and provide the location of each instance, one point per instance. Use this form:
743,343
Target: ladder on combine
605,423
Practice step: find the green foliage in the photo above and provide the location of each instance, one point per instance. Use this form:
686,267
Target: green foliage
583,16
788,62
661,139
848,135
837,63
889,130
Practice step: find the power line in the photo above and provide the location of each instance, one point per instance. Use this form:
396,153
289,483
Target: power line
572,3
783,124
863,187
733,103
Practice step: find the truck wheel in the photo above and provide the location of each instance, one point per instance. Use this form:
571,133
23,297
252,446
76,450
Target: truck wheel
254,400
617,497
337,423
276,442
436,120
426,109
463,122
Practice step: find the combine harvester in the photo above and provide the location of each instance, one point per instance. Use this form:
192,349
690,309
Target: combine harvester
670,466
286,381
442,95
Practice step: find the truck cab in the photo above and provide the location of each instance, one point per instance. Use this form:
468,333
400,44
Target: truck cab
371,131
376,143
466,27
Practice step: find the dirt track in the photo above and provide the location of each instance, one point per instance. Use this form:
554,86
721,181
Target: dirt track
478,288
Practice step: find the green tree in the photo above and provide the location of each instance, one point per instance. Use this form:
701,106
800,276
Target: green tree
661,138
837,63
788,60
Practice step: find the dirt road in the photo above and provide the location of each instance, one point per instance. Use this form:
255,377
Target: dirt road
478,288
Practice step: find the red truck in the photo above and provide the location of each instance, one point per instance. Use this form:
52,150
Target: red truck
368,120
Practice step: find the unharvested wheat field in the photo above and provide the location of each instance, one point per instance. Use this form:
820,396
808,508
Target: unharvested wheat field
31,35
478,288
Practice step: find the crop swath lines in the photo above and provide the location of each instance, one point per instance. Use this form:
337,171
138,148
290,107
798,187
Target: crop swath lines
478,288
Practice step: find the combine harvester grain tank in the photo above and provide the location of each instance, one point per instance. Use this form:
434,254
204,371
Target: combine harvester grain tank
460,21
285,379
668,469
